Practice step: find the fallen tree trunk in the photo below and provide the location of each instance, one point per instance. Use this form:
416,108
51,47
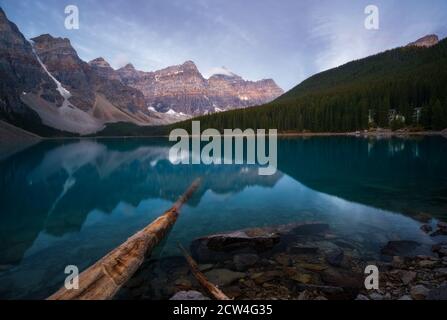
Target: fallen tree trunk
103,279
209,287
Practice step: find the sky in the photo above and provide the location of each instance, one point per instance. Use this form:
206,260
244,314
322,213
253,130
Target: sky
287,40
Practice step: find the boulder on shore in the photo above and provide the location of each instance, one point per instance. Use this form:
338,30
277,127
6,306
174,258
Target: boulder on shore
223,246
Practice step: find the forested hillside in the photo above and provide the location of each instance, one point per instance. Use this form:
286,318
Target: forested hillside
409,84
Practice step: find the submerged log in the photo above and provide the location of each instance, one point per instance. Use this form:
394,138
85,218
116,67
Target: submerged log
208,286
102,280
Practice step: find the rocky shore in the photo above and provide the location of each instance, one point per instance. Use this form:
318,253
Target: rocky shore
301,261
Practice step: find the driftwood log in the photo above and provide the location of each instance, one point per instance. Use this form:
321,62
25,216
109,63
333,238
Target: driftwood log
102,280
213,291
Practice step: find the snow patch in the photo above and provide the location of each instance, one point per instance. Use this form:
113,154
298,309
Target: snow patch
175,113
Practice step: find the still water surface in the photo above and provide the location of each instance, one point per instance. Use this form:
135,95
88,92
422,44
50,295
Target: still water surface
69,202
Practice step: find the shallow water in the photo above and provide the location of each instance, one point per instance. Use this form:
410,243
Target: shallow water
69,202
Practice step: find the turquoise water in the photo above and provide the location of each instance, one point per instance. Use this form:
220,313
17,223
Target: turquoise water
68,202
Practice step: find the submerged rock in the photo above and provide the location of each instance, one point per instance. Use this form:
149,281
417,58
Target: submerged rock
342,278
244,261
426,228
302,249
405,248
440,249
223,277
335,257
442,229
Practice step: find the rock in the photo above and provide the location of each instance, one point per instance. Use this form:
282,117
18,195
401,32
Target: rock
310,228
223,277
205,267
426,228
320,298
189,295
408,276
398,262
361,297
312,266
261,277
423,217
425,42
222,246
419,292
439,232
440,249
302,249
305,295
244,261
376,296
442,225
302,277
427,263
335,257
283,259
404,248
233,292
438,293
406,297
441,271
342,278
183,284
442,229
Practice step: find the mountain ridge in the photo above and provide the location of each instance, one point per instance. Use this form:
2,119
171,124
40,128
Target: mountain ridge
184,89
48,89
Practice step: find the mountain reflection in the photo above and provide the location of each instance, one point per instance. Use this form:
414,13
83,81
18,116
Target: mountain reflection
54,186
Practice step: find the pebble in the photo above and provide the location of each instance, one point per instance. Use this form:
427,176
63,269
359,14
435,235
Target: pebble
419,292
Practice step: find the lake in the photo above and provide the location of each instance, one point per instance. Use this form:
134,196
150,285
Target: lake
69,202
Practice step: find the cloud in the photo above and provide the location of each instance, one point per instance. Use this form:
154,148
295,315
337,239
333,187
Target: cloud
219,70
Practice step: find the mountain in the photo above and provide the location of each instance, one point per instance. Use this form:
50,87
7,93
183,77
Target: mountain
47,89
21,74
93,87
407,83
184,90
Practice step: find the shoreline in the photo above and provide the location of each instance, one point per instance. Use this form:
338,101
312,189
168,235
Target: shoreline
385,134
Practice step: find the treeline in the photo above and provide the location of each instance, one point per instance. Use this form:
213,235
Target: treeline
409,82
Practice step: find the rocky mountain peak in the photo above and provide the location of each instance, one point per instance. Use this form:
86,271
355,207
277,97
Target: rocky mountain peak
100,63
129,66
48,44
189,64
426,42
103,69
